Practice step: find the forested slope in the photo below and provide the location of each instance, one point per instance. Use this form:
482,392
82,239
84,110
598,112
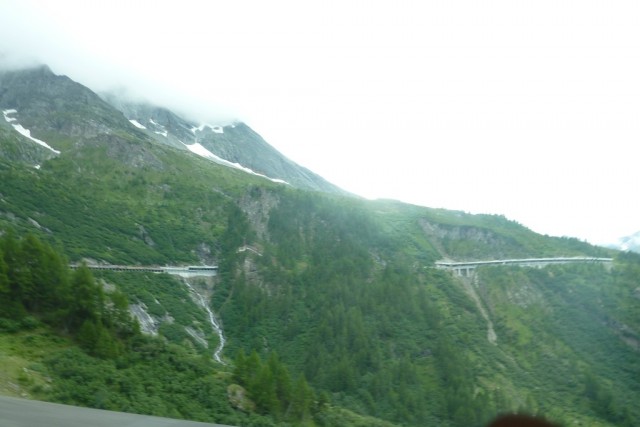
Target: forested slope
340,292
331,306
347,294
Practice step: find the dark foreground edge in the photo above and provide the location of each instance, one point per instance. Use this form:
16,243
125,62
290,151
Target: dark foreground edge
31,413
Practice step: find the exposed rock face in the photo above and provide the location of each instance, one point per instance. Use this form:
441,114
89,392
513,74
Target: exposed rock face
148,324
144,235
198,335
159,123
239,399
205,254
239,143
235,143
50,104
468,242
459,233
257,205
15,149
469,287
69,115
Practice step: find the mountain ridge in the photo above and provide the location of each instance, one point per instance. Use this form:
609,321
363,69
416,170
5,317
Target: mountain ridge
56,107
339,297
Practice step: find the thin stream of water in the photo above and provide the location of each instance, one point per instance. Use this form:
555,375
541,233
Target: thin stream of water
212,320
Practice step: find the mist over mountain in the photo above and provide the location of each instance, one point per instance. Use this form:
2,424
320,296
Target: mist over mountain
319,308
54,106
628,243
235,144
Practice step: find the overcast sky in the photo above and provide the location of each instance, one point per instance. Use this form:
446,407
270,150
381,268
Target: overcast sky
526,109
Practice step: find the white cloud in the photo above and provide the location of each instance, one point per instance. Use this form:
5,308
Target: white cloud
529,110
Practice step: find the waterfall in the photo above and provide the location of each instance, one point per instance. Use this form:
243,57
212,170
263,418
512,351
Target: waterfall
212,320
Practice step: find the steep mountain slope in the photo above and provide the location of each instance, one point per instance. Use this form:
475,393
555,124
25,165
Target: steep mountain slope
235,145
67,114
57,109
336,289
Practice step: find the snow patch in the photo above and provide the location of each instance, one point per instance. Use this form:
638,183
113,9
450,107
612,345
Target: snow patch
25,132
162,131
198,149
6,114
198,128
214,128
203,152
137,124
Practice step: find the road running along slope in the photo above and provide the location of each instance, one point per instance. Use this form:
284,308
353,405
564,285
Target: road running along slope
16,412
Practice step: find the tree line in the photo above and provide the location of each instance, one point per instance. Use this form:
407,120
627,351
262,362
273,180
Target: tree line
36,286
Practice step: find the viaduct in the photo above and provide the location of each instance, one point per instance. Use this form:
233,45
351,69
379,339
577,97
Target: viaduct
466,268
188,271
458,268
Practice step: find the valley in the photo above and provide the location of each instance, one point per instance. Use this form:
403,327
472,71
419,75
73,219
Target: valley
309,306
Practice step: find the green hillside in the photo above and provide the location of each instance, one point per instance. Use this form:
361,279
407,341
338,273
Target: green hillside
344,293
333,311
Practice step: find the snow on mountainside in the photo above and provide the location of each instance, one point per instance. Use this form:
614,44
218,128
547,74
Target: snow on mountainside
628,243
198,149
179,133
24,132
40,106
234,145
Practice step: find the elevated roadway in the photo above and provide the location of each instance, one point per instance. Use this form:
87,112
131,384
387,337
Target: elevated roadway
466,268
187,271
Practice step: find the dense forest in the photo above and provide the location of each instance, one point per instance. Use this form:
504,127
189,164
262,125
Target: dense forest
333,311
103,361
388,335
97,357
330,323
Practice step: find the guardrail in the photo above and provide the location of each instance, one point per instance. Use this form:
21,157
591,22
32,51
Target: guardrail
465,268
188,271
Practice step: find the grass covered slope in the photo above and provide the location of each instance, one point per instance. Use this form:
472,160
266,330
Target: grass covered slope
342,290
576,327
66,338
101,205
332,309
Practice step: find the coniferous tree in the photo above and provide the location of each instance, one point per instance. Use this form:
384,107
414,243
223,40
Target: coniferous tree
302,400
264,391
47,278
16,273
87,298
5,290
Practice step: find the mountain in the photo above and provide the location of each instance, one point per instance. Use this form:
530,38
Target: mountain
326,309
628,243
61,110
235,145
